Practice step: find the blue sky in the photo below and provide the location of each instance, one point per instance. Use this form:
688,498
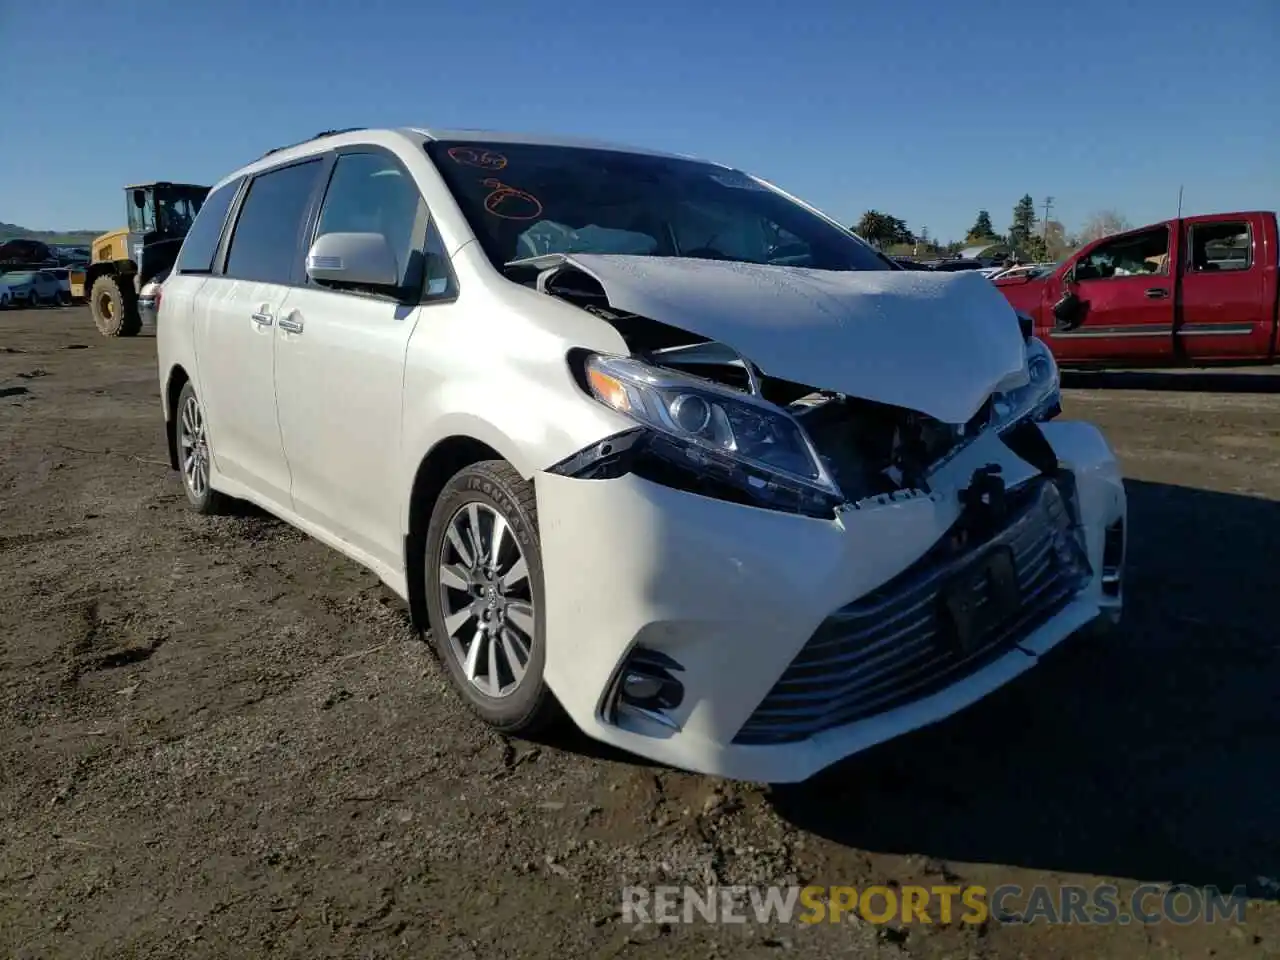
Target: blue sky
928,110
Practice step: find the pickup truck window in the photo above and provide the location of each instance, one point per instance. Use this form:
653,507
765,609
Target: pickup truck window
1145,253
1217,247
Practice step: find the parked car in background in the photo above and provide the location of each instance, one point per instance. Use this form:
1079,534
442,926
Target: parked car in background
1023,269
907,263
953,266
5,296
1192,291
32,287
63,276
639,434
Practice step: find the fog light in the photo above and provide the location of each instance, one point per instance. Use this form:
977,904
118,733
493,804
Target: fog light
647,687
638,687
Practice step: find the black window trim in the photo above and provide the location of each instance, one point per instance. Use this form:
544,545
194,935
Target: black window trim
313,224
1188,262
215,259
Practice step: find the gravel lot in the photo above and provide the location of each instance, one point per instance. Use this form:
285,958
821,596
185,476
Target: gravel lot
219,738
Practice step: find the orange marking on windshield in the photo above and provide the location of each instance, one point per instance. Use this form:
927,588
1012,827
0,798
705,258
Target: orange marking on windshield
510,203
472,157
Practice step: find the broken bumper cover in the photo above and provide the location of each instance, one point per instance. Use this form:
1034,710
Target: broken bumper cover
763,645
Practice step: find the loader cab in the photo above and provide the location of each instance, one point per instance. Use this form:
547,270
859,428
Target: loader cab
159,211
160,214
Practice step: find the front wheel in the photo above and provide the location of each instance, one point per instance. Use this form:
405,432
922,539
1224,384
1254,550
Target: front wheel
194,458
484,592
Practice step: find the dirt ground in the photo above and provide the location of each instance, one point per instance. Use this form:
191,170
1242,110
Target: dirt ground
219,738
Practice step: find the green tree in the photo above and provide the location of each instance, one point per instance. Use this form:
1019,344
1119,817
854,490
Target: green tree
1024,222
1034,249
882,230
982,228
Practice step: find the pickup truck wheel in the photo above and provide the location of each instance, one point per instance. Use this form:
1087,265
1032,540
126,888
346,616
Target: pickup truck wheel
191,435
115,307
484,595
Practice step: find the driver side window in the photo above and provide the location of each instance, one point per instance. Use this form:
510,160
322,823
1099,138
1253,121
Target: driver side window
371,193
1145,253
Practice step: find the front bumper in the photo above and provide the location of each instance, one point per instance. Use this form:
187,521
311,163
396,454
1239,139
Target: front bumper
734,601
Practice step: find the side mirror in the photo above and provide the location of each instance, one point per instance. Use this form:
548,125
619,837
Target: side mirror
360,259
140,199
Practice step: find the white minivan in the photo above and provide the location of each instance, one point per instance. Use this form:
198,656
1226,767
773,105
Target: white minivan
640,438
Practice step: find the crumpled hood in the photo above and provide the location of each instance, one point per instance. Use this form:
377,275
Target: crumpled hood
939,343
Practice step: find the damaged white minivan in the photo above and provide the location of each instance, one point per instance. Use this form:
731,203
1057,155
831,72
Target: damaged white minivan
639,437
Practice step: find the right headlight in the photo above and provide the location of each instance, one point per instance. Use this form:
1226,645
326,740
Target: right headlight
735,437
1040,398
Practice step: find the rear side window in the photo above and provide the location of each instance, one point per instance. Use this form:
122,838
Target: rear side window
264,245
1220,247
201,245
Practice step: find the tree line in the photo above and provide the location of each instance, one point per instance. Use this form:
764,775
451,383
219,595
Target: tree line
1030,238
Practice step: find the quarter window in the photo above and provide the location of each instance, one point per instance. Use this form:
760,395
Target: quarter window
371,193
1218,247
201,244
264,245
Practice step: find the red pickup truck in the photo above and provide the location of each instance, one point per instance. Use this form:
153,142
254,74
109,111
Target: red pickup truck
1194,291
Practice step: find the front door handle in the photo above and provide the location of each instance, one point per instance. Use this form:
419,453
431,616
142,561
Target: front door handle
262,319
1157,293
291,325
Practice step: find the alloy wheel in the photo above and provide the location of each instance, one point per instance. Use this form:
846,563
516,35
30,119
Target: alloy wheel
486,598
193,447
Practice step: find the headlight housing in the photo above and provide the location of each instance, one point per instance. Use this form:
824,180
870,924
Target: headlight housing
732,437
1040,398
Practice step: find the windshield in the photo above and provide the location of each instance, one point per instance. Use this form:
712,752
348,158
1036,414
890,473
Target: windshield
524,200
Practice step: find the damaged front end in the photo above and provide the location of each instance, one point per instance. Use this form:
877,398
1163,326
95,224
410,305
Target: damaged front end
710,421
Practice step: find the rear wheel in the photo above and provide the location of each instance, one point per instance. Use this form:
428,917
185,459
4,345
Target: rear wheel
194,457
115,307
484,592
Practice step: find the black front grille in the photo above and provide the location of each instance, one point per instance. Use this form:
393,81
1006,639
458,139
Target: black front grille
892,646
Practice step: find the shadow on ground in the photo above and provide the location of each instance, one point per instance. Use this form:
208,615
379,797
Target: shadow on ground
1150,756
1196,381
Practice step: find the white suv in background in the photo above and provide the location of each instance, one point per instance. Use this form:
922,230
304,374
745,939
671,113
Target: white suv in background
639,436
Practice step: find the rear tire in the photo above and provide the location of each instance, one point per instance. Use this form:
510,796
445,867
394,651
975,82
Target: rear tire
115,307
496,650
195,459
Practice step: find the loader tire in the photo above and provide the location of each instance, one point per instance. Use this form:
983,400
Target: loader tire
115,307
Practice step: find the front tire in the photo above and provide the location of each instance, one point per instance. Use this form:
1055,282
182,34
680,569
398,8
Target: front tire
484,593
195,461
115,307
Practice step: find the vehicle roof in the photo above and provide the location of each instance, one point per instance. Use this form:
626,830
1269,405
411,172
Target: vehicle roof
416,135
539,139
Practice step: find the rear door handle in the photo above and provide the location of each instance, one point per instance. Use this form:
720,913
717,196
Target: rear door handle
262,319
1157,293
291,325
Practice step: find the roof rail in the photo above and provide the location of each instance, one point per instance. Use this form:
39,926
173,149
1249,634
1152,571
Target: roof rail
322,133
